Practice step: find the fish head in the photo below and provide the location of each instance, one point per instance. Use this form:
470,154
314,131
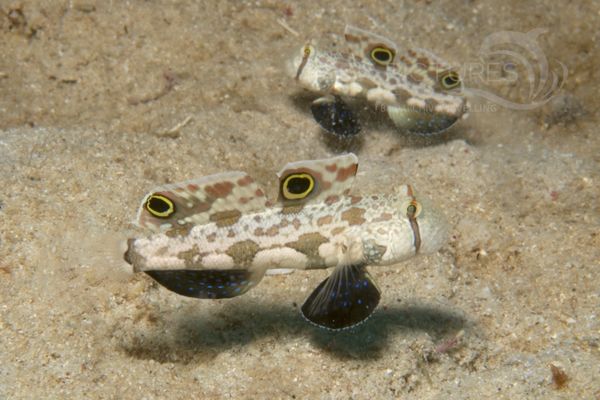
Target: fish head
311,69
416,227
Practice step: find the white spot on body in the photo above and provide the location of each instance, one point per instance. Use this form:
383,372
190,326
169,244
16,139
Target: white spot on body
354,89
416,102
343,250
379,95
217,261
281,257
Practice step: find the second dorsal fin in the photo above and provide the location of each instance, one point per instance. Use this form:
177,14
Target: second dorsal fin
213,198
316,180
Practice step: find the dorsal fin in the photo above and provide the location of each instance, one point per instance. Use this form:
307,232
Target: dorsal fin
316,180
199,201
380,50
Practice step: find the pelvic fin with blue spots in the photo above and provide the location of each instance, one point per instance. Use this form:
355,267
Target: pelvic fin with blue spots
205,284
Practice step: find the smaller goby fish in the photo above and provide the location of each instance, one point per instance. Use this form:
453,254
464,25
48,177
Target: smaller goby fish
215,237
420,92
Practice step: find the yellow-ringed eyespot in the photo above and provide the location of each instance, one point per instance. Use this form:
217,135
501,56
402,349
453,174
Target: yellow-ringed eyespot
160,206
449,80
413,209
381,55
297,186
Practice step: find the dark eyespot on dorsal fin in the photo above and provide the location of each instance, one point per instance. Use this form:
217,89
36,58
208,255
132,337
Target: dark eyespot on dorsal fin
345,299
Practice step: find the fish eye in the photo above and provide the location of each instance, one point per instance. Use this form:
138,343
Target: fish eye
381,55
160,206
306,51
413,209
297,186
449,80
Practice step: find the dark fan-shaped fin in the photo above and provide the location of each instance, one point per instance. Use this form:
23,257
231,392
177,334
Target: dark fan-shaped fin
344,299
335,116
208,283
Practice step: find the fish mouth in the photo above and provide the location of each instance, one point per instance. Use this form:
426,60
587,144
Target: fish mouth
411,214
128,256
301,66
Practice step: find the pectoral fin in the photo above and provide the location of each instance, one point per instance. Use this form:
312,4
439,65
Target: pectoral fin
345,299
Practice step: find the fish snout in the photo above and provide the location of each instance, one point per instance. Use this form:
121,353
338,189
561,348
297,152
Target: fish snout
128,255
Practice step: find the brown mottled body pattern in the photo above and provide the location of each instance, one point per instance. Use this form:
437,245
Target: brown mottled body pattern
345,221
422,93
407,79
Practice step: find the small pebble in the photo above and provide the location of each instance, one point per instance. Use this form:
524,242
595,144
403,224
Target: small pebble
84,5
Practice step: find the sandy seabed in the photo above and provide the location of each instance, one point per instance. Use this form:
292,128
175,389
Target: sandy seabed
100,101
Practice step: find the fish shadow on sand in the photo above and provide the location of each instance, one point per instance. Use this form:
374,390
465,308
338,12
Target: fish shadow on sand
190,337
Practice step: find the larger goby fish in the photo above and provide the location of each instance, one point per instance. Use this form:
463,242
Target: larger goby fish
215,237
